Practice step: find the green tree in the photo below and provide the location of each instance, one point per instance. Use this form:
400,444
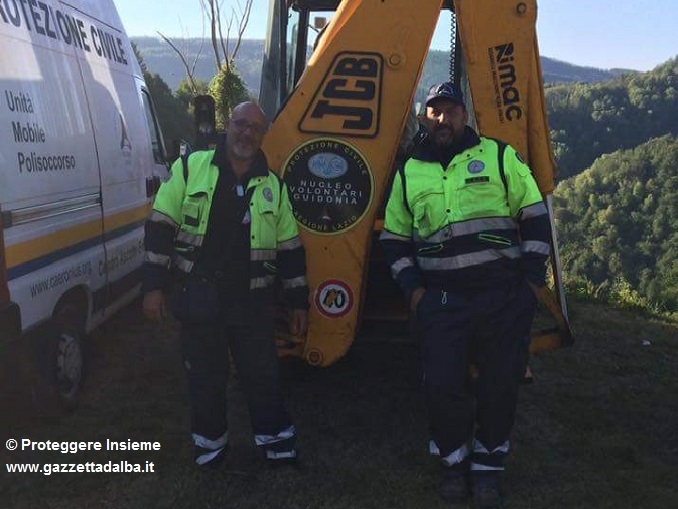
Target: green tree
228,90
175,121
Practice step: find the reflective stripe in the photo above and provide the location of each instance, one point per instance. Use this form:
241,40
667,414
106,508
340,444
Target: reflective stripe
451,459
538,209
207,457
159,217
182,263
273,455
467,260
294,282
535,246
493,460
260,255
288,245
470,227
212,445
285,434
189,238
261,282
158,259
386,235
456,457
400,264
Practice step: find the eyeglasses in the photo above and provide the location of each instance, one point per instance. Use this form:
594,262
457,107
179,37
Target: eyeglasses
243,125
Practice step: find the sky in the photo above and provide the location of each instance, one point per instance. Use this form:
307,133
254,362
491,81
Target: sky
606,34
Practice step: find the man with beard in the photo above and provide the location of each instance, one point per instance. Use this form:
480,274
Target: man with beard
222,228
466,235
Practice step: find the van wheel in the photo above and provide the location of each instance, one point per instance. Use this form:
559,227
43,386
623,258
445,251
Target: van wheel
69,367
67,358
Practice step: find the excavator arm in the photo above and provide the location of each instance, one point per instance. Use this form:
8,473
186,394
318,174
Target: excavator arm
338,122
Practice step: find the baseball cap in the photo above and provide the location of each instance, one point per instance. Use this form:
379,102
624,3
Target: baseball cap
447,91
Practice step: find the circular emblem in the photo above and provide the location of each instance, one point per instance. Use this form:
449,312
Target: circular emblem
268,194
333,298
330,185
476,166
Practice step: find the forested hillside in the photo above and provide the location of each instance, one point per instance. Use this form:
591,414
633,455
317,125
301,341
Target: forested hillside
617,224
588,120
617,216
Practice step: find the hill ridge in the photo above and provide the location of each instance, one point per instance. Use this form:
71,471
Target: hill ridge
162,60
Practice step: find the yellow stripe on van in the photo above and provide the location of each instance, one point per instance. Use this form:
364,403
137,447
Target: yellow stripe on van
35,248
42,246
115,221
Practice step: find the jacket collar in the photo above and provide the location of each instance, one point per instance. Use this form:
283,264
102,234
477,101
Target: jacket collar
427,151
258,167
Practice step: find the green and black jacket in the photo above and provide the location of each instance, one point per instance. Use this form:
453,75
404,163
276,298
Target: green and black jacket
180,220
477,222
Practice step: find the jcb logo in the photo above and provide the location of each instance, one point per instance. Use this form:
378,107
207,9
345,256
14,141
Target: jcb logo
348,100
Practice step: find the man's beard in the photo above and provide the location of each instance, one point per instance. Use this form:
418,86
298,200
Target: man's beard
447,141
243,152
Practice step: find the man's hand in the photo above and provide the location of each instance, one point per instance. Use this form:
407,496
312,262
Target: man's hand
298,322
417,294
154,305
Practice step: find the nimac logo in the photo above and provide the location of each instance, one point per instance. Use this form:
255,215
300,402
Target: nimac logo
507,95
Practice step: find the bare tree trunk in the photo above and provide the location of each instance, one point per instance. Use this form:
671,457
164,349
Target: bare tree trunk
214,19
189,70
224,44
211,9
244,21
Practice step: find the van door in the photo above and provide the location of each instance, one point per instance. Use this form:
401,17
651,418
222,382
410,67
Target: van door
49,174
128,161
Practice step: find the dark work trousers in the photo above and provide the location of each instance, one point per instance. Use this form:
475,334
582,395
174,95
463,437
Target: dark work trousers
488,328
252,343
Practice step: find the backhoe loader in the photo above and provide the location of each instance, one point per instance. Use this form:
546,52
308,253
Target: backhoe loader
341,98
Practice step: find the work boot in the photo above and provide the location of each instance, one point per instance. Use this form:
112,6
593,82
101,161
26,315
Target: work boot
454,488
486,489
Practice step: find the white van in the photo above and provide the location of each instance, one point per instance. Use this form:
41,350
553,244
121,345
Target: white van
81,157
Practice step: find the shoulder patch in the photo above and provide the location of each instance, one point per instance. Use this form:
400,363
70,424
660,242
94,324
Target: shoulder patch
475,166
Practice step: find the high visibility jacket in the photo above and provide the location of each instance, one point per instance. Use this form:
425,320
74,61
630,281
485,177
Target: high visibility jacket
478,222
180,219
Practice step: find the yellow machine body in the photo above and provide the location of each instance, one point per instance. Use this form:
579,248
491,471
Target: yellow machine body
336,134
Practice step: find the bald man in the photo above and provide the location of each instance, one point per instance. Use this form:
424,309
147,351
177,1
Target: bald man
220,232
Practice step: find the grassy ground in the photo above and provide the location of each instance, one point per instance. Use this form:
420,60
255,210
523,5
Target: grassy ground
596,430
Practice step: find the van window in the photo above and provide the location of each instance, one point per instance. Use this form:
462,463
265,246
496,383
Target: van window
156,137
